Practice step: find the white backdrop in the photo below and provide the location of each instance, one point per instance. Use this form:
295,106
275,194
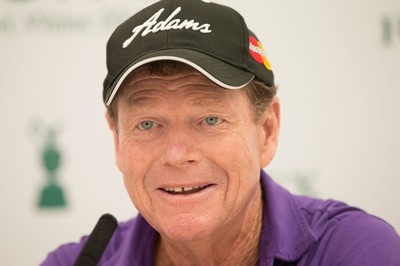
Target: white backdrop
337,64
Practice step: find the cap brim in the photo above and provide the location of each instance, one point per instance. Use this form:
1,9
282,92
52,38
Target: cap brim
219,72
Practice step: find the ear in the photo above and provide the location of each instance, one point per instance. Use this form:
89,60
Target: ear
269,126
114,128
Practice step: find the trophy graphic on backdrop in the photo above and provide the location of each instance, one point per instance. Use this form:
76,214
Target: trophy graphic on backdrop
51,195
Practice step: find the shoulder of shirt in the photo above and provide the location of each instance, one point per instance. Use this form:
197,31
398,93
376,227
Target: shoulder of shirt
348,235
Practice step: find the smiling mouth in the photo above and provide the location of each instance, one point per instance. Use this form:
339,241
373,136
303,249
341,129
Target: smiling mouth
184,190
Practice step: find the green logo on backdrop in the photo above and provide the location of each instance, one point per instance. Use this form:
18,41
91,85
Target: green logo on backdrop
390,25
51,194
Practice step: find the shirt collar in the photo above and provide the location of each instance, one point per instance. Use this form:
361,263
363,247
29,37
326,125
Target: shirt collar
286,234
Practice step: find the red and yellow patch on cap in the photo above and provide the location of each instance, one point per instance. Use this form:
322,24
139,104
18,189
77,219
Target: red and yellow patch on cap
257,52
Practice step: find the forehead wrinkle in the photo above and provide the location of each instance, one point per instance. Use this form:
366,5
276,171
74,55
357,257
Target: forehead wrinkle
205,99
142,91
145,98
168,81
196,93
152,98
195,89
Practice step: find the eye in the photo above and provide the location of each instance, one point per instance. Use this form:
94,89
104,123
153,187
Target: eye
146,125
212,120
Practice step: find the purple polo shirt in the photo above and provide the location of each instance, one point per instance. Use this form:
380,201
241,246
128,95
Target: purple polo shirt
295,229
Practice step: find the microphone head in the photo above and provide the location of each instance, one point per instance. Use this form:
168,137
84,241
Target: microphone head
97,241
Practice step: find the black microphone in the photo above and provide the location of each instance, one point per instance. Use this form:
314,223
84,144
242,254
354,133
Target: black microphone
97,241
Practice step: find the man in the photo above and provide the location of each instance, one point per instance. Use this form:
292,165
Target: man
192,107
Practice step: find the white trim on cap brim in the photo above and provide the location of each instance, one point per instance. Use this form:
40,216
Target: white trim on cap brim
173,58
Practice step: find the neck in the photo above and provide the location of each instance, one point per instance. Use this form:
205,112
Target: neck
237,244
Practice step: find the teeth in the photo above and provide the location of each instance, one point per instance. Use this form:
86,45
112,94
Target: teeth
182,189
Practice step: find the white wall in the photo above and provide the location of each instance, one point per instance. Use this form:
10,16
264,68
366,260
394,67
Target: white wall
339,88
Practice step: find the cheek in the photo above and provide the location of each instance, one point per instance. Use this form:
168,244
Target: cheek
238,156
129,158
241,151
135,162
136,155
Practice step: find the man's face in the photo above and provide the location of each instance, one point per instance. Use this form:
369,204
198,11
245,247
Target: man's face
190,152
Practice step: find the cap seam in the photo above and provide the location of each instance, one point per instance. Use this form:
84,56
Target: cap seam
167,39
244,29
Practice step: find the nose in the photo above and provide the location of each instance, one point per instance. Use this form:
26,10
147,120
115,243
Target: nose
180,148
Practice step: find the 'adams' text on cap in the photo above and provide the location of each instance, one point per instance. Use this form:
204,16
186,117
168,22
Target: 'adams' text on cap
153,26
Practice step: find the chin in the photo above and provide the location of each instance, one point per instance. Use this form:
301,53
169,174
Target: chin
187,227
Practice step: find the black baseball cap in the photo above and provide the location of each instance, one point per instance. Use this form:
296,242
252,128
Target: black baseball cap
212,38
